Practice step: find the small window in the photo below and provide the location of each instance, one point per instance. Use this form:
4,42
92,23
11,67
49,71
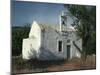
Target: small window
68,41
59,46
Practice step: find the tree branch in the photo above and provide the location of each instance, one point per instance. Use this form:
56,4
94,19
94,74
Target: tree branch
77,47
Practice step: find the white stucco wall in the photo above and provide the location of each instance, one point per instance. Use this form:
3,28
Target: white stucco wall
30,48
44,44
49,42
31,45
35,31
75,52
50,39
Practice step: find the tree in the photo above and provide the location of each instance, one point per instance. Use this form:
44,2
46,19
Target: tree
85,25
18,33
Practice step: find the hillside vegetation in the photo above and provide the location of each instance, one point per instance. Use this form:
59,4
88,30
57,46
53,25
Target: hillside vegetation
18,33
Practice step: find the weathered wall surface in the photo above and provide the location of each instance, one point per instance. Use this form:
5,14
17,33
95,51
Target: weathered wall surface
43,44
49,45
29,48
31,45
75,52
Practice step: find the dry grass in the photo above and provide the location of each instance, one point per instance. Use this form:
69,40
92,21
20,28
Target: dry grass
33,66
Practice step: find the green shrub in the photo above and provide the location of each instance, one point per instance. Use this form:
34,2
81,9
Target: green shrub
18,33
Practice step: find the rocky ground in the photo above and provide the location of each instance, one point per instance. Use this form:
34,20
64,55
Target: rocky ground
34,66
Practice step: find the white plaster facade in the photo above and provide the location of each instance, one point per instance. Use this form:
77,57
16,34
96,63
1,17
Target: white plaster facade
44,43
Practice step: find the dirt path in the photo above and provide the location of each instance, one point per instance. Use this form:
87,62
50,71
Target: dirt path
35,66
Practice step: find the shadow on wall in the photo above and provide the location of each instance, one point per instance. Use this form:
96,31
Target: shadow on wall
32,53
46,54
43,54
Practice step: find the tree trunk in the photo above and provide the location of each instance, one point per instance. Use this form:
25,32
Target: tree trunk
84,51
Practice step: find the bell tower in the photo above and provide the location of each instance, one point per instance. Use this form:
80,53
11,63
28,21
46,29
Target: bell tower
63,21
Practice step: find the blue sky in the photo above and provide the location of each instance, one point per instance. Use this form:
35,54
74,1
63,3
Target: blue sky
26,12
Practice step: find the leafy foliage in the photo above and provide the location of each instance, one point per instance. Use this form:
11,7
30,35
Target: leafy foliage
18,33
85,24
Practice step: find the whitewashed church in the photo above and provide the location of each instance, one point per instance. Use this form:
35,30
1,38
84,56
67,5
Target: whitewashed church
48,43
